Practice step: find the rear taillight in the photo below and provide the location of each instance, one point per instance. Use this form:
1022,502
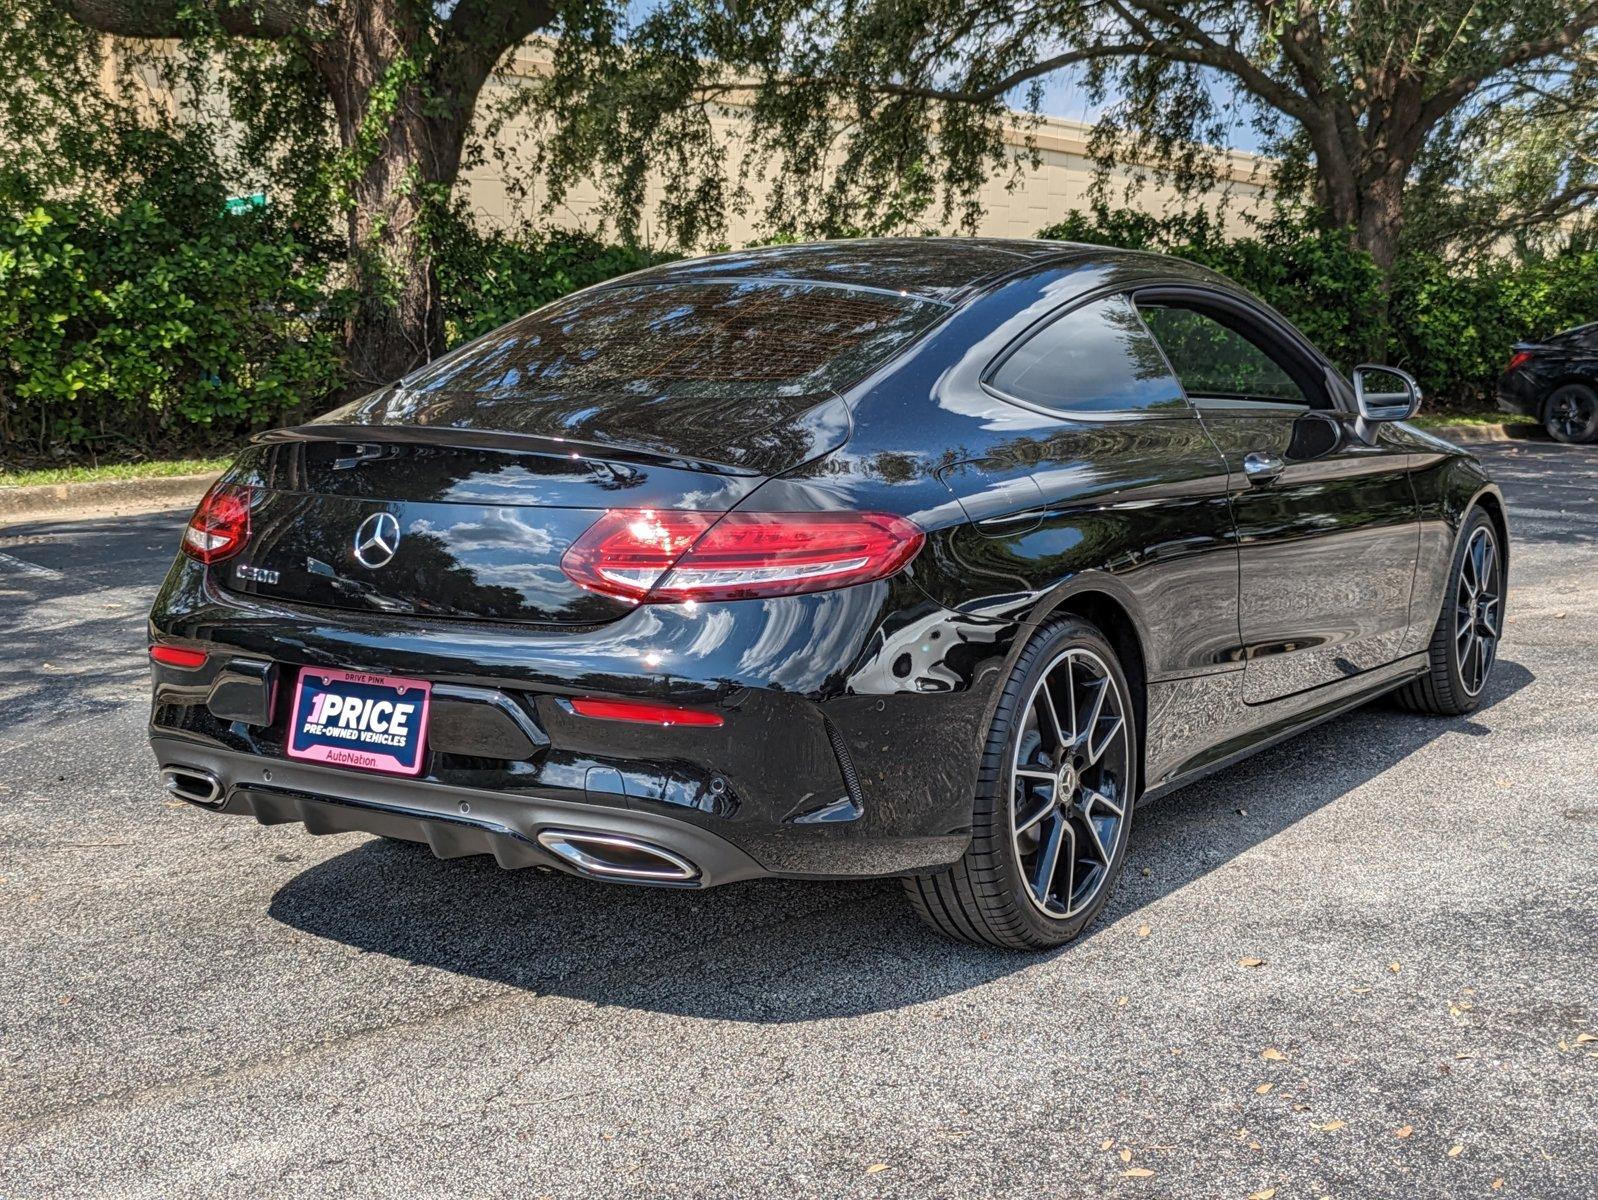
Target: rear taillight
661,556
1521,358
220,526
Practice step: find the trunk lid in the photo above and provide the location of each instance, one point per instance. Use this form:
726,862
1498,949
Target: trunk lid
467,514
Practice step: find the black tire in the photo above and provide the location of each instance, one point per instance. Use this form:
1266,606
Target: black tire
1570,414
1446,687
987,896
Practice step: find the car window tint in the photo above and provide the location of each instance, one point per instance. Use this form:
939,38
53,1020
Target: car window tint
711,339
1096,358
1212,360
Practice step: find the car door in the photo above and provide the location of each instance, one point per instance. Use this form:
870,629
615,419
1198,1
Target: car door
1327,524
1087,470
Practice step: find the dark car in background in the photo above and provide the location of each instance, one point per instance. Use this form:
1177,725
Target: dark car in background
1556,381
916,558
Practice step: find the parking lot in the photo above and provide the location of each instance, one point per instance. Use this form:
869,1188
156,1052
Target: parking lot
200,1006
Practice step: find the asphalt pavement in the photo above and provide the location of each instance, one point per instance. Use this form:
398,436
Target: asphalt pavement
1361,964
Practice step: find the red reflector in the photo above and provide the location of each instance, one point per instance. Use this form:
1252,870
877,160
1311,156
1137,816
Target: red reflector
644,712
654,556
220,526
1520,359
177,656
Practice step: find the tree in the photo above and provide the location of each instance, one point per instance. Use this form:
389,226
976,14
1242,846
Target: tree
401,79
869,111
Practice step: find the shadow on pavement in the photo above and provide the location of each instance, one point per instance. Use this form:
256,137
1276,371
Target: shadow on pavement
778,951
73,599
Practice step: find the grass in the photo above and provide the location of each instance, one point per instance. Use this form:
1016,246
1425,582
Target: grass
1433,420
144,470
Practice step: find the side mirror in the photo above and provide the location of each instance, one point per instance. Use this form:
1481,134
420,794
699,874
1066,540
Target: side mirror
1385,394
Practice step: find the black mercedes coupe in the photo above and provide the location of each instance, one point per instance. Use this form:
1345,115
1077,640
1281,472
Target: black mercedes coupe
928,558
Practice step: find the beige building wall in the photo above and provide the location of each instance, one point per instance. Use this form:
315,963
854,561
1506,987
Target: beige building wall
1041,196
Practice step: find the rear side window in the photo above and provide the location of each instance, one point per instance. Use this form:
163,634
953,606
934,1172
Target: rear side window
1096,359
713,339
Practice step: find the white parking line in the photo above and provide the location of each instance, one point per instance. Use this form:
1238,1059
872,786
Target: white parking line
30,568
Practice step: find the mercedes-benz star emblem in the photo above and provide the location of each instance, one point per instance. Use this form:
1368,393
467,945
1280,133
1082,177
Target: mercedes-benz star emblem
377,539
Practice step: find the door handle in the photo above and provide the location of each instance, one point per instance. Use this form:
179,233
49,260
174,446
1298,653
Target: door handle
1262,468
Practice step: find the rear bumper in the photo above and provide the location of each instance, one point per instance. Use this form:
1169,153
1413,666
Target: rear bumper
1518,393
518,831
847,749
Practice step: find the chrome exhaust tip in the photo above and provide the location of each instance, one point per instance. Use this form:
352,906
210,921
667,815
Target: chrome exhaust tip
192,784
613,856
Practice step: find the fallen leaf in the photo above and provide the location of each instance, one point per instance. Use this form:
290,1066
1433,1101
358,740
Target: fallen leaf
1126,1156
1394,968
1263,1194
1331,1126
1455,1150
1137,1173
1272,1054
1465,1054
1143,931
876,1168
1122,1001
1108,1142
1251,962
1559,616
1404,1132
1586,1037
1497,1183
1263,1089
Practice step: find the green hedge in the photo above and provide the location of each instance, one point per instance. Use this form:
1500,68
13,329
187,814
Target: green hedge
144,328
123,331
488,278
1455,325
157,323
1451,324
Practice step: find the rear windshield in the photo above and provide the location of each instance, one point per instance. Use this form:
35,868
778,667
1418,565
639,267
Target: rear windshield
712,339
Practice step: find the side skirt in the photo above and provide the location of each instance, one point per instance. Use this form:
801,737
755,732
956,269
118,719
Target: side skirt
1391,677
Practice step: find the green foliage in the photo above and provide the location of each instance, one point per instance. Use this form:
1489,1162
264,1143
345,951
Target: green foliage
1306,271
1455,324
894,114
488,278
161,323
1452,324
128,328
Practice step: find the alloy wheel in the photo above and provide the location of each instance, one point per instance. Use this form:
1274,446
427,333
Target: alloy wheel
1570,414
1068,783
1478,610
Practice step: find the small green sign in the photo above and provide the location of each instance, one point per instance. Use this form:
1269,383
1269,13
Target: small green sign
239,204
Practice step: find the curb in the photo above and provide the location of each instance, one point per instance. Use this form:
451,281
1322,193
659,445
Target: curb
1466,434
64,501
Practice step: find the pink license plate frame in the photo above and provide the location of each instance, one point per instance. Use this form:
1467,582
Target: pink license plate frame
347,719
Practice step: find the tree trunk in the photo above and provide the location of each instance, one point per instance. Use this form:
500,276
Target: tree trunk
398,322
404,156
1370,203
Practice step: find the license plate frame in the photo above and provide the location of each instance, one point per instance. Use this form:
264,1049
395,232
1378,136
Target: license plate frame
357,732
